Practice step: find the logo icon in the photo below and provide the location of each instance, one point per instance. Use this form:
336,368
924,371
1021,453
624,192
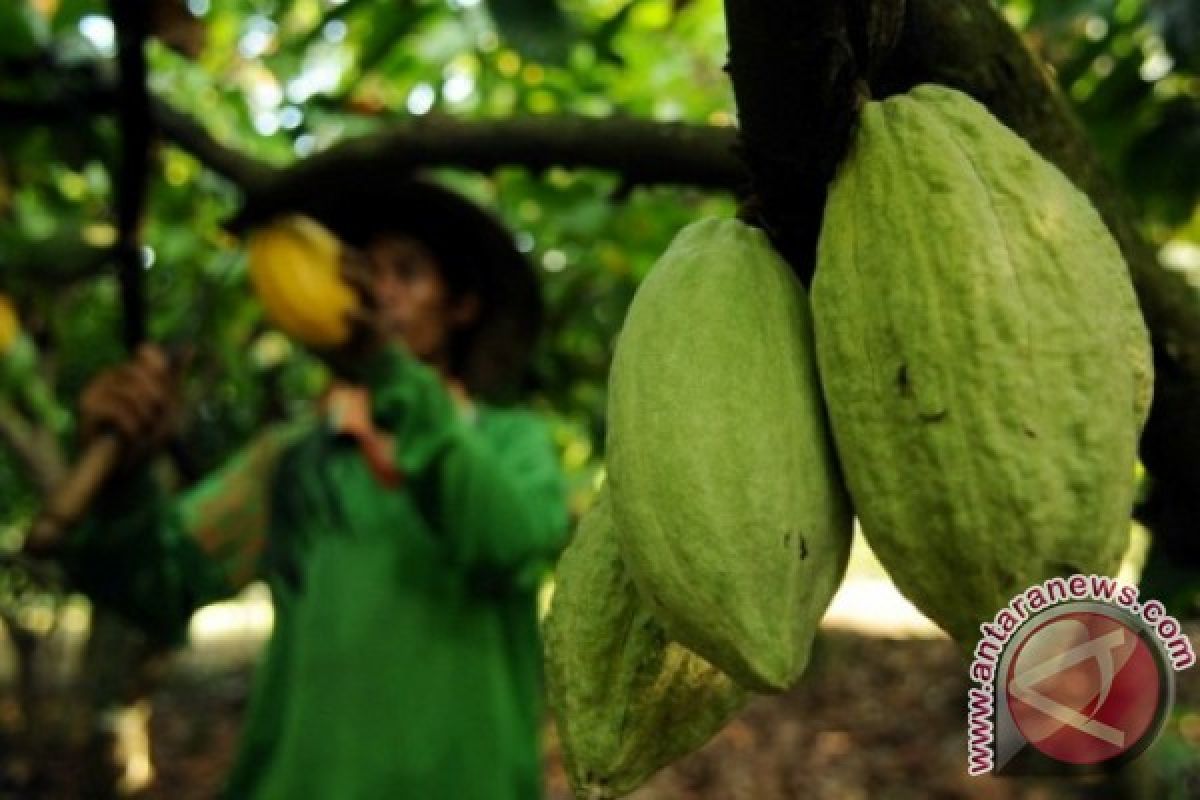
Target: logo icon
1075,674
1084,688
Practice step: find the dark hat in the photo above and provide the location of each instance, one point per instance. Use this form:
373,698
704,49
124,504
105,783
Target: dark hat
475,251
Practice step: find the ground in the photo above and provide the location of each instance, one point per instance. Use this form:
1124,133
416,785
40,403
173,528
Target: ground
879,714
874,718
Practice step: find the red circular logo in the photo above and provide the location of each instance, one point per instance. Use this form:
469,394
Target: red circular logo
1083,688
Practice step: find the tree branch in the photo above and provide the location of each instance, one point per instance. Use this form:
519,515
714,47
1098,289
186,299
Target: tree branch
795,129
640,150
245,172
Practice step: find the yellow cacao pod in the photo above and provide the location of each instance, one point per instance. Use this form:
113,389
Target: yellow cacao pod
294,268
729,506
626,701
985,365
10,324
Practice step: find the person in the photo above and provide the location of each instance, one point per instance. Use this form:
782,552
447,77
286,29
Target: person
403,528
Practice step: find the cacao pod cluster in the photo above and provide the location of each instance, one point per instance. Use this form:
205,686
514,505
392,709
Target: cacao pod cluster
971,383
723,529
294,267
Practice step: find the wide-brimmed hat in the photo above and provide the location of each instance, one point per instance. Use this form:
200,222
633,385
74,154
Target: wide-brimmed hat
476,252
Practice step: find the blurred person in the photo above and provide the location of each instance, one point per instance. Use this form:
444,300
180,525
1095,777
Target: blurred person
402,528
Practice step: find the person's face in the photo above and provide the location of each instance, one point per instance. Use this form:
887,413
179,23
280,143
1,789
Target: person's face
414,301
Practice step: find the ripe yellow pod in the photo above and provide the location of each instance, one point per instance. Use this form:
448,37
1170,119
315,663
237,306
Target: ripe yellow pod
10,324
294,268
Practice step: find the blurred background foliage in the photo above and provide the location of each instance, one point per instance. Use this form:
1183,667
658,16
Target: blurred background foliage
282,80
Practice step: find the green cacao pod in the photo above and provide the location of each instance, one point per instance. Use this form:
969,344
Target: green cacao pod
626,701
729,506
985,364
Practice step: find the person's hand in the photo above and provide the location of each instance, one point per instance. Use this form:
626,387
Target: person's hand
367,335
138,400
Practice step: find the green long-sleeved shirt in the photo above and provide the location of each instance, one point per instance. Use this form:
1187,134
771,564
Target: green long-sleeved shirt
404,660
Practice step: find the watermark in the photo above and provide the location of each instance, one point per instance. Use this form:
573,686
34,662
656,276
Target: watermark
1074,673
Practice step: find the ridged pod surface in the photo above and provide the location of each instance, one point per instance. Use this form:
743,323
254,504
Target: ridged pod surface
294,268
729,507
985,365
626,701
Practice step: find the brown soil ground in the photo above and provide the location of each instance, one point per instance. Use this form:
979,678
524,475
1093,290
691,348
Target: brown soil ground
874,718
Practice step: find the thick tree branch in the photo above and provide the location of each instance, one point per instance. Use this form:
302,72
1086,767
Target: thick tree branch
247,173
641,151
795,130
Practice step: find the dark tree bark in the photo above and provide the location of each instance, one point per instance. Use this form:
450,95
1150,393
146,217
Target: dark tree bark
800,72
245,172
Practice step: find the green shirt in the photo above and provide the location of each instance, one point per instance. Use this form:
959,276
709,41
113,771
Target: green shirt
404,660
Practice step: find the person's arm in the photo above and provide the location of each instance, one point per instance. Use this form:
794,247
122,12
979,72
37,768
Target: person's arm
156,558
498,502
